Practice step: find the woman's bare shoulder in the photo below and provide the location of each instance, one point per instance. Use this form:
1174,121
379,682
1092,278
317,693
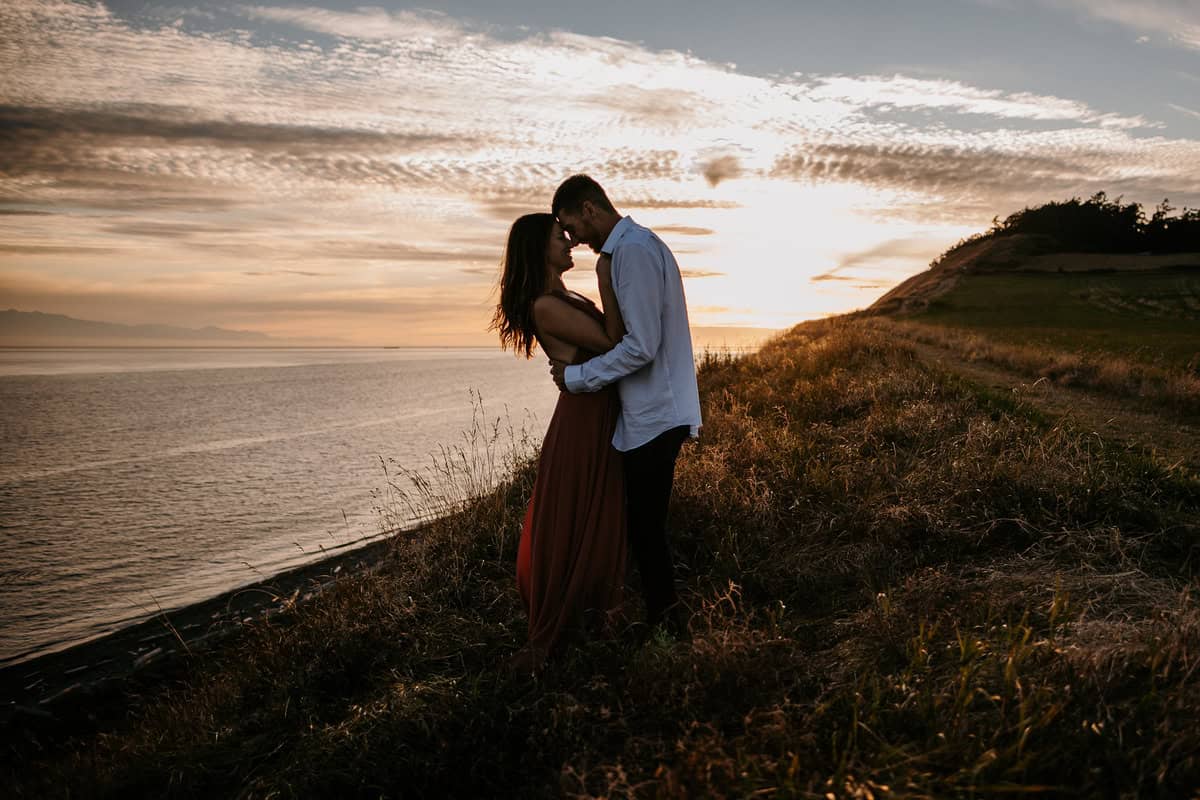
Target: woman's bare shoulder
549,296
548,303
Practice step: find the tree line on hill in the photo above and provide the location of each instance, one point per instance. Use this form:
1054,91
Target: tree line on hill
1099,225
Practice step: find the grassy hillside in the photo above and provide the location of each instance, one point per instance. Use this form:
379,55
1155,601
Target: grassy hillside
1040,295
1132,334
1151,317
899,584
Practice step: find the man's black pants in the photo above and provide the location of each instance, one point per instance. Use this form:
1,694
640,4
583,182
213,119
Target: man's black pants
649,475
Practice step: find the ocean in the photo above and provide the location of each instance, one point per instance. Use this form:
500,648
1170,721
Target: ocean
140,479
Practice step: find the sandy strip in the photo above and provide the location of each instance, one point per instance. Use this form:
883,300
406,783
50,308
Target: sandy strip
60,685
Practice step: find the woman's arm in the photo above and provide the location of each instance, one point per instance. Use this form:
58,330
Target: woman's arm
641,290
558,318
614,325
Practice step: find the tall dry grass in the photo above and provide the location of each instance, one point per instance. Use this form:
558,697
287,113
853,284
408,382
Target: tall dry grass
898,585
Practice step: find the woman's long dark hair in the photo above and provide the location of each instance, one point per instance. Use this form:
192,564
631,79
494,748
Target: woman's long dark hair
522,280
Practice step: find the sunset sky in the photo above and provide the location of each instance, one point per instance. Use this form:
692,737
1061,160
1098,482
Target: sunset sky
348,172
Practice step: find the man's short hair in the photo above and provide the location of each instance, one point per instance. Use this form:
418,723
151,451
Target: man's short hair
576,189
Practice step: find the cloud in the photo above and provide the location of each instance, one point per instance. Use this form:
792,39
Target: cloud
398,252
1179,20
487,272
381,108
932,169
883,257
666,106
979,172
187,305
169,230
52,249
700,273
907,248
664,202
107,148
720,169
509,212
298,247
636,164
684,230
854,281
300,272
33,126
1191,112
370,23
903,92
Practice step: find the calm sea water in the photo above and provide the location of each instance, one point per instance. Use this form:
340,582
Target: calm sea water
134,479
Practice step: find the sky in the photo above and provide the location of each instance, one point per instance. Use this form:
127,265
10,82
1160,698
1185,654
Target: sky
343,172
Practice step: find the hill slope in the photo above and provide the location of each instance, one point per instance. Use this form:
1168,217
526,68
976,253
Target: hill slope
899,584
1016,255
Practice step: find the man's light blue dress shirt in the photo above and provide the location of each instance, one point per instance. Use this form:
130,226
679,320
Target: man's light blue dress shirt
653,362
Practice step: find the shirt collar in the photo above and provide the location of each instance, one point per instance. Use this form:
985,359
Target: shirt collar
618,231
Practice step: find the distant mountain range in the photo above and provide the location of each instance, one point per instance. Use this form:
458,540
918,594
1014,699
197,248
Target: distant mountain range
34,328
38,329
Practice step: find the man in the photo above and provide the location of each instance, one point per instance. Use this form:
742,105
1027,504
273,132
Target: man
655,370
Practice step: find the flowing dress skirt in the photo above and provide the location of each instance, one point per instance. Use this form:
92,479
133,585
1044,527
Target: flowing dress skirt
573,548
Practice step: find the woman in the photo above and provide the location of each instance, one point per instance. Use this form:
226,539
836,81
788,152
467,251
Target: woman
572,553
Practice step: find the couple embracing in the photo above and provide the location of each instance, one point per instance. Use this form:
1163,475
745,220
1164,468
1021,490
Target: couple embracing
628,400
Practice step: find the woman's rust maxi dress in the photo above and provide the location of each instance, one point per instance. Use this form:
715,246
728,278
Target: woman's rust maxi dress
573,545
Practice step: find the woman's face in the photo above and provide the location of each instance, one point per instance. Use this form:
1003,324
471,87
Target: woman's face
558,250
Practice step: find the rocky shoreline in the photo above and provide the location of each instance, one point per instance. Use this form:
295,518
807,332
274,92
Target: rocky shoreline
80,680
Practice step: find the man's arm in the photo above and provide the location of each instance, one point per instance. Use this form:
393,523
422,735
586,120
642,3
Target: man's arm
638,281
614,323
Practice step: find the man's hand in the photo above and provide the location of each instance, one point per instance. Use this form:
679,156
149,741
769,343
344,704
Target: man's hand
556,372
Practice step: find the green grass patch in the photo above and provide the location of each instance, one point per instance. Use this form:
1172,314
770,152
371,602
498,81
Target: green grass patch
1151,317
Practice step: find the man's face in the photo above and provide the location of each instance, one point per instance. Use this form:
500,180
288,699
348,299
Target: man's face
579,227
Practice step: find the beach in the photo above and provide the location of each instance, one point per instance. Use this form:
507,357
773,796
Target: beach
92,676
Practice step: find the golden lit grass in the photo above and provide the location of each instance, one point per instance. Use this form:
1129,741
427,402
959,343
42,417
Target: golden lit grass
899,585
1176,390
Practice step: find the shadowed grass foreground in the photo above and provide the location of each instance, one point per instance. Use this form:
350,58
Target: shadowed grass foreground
900,585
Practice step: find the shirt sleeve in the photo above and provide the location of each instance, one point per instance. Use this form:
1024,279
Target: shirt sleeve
638,282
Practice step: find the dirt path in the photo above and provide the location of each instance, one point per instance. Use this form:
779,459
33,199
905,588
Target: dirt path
1164,438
